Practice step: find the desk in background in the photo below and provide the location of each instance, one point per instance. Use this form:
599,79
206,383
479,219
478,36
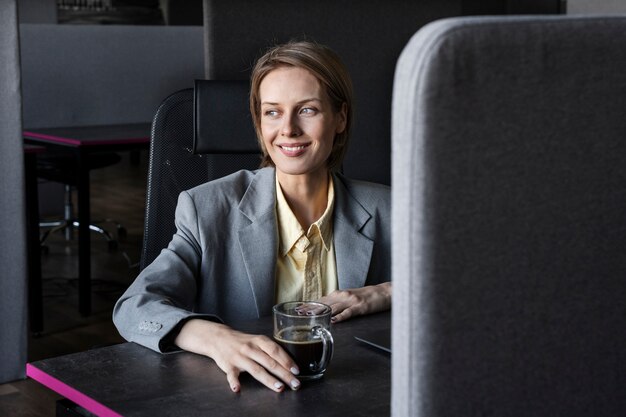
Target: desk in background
130,380
82,141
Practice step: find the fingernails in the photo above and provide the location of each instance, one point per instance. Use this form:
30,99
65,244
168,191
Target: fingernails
333,319
278,385
294,370
295,383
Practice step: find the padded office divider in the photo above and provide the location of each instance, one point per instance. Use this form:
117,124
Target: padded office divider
596,7
222,119
13,293
174,167
509,233
37,11
368,35
80,75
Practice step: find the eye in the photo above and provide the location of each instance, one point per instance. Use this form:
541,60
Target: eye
270,113
308,110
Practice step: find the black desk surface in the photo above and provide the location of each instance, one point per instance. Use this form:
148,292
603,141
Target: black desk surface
91,135
130,380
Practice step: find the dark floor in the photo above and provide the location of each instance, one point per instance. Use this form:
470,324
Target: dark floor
117,192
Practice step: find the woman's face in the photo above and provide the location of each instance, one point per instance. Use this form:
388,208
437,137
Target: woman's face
298,123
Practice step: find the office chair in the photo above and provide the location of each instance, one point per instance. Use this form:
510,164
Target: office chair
509,233
61,167
198,135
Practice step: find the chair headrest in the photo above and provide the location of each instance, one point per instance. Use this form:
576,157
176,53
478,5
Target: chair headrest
221,118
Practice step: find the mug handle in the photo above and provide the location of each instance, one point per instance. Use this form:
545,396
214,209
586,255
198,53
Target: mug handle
327,350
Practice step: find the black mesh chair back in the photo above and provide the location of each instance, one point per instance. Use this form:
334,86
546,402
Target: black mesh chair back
175,166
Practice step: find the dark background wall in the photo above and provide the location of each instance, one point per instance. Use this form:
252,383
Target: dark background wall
479,7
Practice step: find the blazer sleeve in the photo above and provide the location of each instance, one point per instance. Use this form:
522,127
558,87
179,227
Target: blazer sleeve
161,299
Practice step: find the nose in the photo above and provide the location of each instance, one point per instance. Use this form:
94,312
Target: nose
290,128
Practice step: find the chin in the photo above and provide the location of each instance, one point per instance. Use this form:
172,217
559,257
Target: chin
290,169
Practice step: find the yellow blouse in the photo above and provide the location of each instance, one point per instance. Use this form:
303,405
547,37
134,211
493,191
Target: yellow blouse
305,268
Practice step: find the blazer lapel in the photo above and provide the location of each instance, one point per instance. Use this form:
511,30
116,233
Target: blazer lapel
259,239
353,250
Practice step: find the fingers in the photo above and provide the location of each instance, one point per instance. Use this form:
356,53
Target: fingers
342,300
354,302
279,355
310,309
233,380
271,374
235,352
343,315
265,361
277,362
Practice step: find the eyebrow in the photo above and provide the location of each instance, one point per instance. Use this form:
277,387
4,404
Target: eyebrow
270,103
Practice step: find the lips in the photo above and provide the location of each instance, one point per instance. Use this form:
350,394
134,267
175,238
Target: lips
293,149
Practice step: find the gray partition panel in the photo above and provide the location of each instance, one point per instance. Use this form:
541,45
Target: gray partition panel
76,75
509,232
13,326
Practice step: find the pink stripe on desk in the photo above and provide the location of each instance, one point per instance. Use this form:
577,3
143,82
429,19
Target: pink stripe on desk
68,392
78,142
51,138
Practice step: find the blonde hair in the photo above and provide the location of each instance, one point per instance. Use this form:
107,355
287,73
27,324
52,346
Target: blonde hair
332,74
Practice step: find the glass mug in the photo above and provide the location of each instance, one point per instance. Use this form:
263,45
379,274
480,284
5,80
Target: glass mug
302,328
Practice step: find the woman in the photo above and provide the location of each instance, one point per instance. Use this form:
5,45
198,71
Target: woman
292,230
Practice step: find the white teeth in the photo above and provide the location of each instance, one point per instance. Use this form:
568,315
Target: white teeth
292,148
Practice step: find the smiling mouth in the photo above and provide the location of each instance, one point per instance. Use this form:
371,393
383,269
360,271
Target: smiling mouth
293,148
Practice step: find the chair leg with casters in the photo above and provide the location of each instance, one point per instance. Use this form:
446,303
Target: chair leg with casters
68,224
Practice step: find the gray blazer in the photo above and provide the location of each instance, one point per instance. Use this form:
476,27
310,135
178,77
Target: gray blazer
220,264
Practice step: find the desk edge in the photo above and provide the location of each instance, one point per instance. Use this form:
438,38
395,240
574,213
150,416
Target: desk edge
77,142
69,392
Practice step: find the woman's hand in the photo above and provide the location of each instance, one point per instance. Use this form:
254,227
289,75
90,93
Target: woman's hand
358,301
235,352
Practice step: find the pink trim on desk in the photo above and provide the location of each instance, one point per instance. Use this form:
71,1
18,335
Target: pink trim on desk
78,142
68,392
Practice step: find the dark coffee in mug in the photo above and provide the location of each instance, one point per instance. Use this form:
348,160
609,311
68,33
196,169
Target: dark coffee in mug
302,328
304,346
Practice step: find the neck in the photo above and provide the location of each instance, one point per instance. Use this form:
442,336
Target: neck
307,195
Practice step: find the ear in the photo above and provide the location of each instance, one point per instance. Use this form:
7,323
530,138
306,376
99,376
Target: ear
342,118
